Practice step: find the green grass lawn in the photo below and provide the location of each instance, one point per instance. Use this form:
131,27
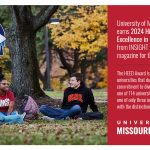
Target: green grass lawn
55,133
73,132
98,94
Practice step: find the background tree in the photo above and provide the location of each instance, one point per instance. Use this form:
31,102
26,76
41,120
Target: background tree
72,58
5,63
80,36
22,45
41,55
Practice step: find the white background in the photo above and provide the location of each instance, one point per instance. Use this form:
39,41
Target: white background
74,2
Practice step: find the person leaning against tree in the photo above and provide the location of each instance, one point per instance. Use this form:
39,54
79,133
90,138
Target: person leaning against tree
7,101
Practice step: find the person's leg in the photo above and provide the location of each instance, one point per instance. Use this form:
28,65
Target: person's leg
13,119
58,113
51,112
1,117
73,111
14,113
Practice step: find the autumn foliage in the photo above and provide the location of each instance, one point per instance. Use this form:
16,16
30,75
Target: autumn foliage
5,64
84,29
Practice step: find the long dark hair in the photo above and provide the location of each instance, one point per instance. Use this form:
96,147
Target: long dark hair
1,77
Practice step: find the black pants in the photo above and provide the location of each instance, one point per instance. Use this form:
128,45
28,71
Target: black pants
92,116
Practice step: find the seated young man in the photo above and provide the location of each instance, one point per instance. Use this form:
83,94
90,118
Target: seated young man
7,101
76,99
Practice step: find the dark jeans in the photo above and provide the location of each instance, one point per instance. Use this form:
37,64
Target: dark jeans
59,113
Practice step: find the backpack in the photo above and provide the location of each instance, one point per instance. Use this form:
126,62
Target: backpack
92,116
30,107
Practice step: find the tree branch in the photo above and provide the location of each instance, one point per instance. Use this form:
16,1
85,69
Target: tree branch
15,12
19,12
63,61
76,60
43,16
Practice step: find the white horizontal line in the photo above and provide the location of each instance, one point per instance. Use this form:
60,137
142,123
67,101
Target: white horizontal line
74,2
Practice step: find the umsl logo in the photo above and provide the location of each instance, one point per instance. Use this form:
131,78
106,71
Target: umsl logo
2,40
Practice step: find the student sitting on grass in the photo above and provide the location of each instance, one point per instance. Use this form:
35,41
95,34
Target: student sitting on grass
76,99
7,101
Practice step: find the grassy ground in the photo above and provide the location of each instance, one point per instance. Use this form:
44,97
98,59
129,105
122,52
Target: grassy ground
74,132
100,95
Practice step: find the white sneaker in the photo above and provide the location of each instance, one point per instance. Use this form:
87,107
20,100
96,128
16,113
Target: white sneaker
47,118
67,118
23,115
79,118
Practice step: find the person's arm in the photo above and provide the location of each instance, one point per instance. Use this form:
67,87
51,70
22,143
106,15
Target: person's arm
91,101
64,100
11,107
11,103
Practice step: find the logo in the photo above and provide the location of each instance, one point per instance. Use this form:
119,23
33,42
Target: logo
75,97
2,40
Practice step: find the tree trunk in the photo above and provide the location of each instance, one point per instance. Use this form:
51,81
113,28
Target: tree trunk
43,76
67,65
83,69
25,79
25,64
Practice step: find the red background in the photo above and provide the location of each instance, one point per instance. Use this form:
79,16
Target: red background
126,13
